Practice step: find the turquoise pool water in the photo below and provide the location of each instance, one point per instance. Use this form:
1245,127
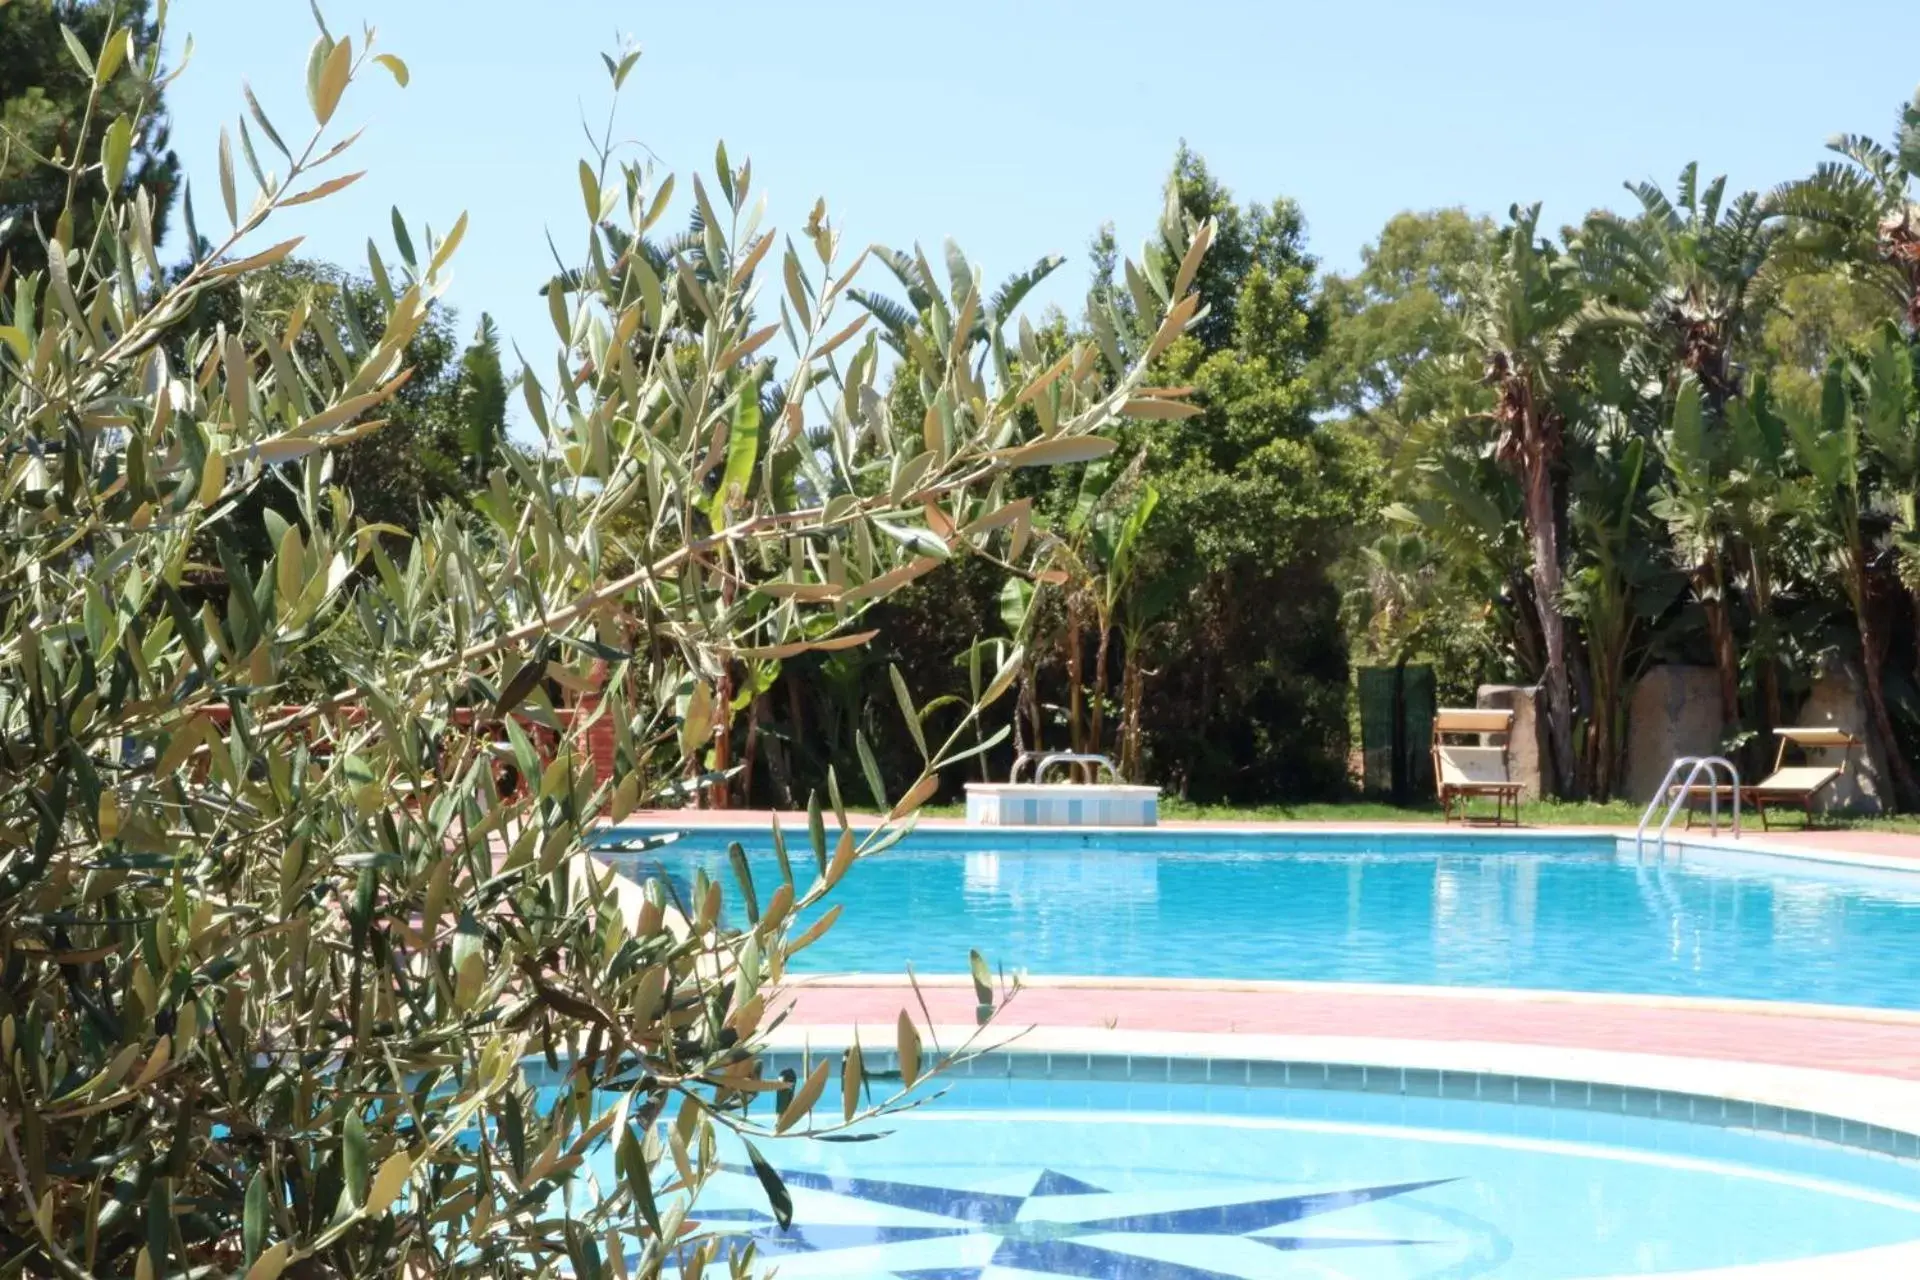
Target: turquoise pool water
1535,910
1012,1179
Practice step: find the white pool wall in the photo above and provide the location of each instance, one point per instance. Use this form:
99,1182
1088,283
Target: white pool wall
1061,804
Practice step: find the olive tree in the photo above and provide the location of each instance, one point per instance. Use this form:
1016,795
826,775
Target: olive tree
275,973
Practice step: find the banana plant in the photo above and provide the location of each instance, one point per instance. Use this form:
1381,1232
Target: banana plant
1763,506
1892,412
931,311
1616,588
1095,559
1696,504
1859,212
1831,447
1116,545
1687,275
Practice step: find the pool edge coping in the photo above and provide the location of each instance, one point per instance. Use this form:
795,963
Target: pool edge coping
1743,842
1302,986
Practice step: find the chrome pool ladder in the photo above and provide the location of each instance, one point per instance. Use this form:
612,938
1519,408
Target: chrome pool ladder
1041,763
1676,799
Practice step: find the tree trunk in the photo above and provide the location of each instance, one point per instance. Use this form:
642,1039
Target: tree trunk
1553,627
1913,598
1599,755
1074,739
723,739
1528,647
1710,585
1097,713
796,712
750,750
1772,714
1133,686
1033,705
1871,656
777,766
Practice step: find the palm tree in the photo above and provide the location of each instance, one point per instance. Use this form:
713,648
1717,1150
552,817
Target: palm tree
1614,589
1468,513
1687,273
1830,446
1526,318
1762,501
1097,557
1399,577
1696,504
480,403
929,311
1892,411
1857,212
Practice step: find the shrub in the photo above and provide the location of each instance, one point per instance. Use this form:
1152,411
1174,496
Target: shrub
271,967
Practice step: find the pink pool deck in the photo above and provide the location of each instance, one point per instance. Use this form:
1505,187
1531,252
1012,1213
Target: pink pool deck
1869,1042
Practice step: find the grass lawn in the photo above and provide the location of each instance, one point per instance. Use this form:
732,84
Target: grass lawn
1539,813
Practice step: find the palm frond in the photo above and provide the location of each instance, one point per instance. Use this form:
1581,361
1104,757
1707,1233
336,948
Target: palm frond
1710,203
1654,202
1015,288
1833,195
1867,153
959,273
1907,137
1689,185
897,320
907,269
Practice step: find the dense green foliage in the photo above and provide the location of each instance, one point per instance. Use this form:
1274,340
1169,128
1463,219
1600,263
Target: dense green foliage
53,96
1188,619
1518,453
301,663
445,426
1258,504
324,982
1513,452
1684,433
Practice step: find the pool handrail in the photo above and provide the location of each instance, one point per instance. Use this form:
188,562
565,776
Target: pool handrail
1043,762
1676,797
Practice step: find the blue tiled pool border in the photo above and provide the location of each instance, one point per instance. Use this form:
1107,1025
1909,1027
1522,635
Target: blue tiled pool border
1628,1102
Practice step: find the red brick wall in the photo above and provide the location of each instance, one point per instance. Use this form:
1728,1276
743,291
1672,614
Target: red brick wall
599,743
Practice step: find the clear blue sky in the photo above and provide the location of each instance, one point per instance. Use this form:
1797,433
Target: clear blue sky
1018,126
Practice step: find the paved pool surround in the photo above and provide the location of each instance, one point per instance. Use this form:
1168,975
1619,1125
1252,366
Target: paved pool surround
1857,1042
1835,1074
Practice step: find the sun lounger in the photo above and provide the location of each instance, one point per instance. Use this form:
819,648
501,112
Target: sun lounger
1789,785
1801,784
1464,773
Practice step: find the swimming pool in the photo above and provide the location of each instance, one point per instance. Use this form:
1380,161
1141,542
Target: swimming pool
1010,1177
1534,910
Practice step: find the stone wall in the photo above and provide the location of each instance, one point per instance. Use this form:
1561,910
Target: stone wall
1526,754
1839,699
1675,712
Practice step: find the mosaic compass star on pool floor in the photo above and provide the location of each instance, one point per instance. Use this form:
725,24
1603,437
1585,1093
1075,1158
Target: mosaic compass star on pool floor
1038,1232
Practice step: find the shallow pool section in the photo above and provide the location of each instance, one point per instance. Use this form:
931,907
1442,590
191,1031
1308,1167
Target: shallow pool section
1003,1179
1530,910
